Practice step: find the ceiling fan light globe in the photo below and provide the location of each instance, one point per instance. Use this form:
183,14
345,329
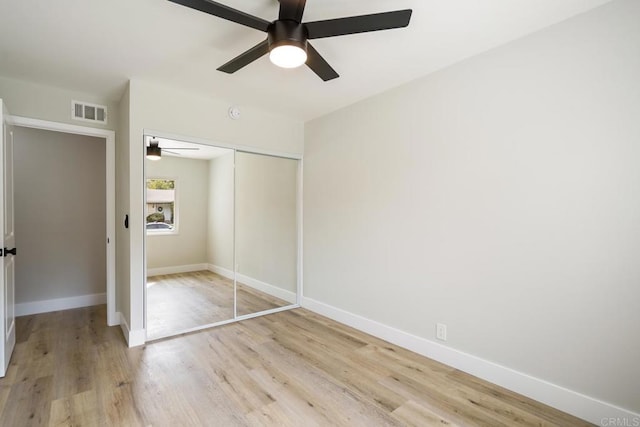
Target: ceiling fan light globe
288,56
154,152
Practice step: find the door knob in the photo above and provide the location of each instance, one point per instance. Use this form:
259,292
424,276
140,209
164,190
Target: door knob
9,251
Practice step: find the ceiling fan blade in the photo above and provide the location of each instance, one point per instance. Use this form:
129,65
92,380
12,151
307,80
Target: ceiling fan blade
292,9
358,24
318,65
171,152
179,148
225,12
245,58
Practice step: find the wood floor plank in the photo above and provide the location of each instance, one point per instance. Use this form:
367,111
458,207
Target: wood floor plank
4,396
291,368
175,386
515,400
273,415
74,361
412,413
273,382
441,403
358,374
78,410
28,403
347,405
439,378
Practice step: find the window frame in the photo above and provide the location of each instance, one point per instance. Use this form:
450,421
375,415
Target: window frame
176,216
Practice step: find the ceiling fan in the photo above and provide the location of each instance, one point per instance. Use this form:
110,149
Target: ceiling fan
154,151
287,37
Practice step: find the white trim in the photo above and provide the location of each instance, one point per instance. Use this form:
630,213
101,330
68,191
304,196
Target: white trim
176,269
133,338
235,235
191,330
223,322
266,312
300,232
224,272
267,288
110,143
46,306
229,275
572,402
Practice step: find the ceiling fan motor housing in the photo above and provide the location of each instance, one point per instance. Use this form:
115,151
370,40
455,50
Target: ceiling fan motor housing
287,32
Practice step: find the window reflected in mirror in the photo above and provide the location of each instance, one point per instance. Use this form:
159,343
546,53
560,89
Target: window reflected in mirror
161,208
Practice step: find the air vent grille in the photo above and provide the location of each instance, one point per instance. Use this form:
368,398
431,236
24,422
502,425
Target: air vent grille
88,112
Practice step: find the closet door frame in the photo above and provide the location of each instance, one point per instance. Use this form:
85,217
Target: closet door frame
299,212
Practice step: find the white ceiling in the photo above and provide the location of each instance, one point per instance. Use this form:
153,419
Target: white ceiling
95,46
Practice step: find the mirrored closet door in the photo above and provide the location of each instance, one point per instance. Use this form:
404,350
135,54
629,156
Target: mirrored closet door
189,229
221,235
266,232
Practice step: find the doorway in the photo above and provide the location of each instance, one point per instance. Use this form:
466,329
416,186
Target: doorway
102,268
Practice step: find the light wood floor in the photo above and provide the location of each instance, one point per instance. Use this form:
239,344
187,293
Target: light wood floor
177,302
292,368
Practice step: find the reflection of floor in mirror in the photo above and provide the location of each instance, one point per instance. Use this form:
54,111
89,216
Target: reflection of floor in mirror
176,302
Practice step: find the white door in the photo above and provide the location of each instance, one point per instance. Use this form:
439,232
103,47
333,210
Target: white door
7,244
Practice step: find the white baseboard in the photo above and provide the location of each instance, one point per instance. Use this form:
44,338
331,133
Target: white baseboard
46,306
577,404
267,288
224,272
176,269
133,338
113,318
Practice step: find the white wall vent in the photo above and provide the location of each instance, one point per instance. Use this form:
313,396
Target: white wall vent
88,112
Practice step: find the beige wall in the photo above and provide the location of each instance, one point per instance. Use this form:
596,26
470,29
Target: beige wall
37,101
500,197
266,231
220,212
43,102
60,215
189,245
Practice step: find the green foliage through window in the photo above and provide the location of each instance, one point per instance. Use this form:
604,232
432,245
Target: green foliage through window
156,217
160,184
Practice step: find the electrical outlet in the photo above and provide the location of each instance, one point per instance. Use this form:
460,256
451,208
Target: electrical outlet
441,331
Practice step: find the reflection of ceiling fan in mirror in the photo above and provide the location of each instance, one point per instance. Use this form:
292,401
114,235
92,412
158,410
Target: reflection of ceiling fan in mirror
154,151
